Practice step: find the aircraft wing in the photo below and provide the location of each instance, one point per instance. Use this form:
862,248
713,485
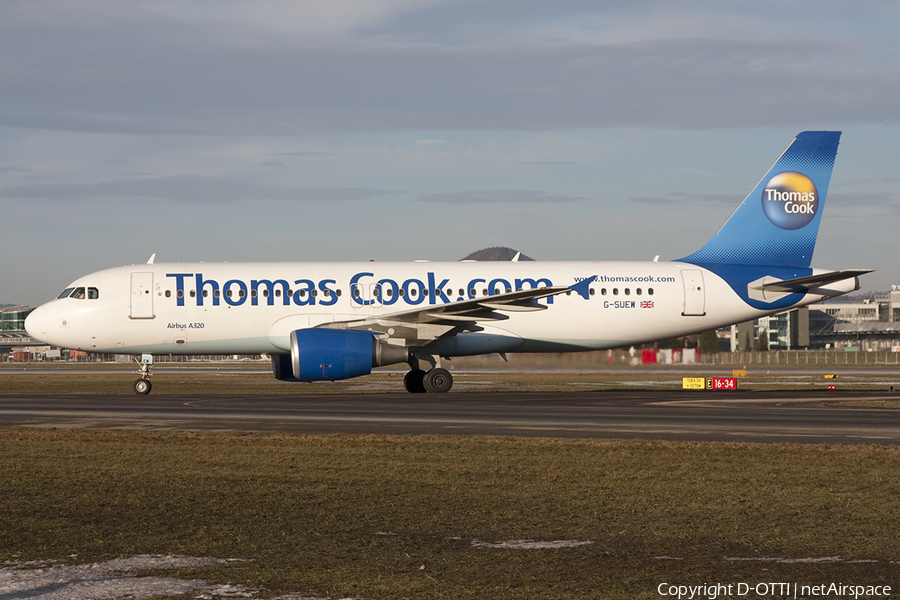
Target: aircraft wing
433,321
487,308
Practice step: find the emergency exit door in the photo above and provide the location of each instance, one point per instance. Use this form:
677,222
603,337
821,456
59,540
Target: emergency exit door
142,295
694,293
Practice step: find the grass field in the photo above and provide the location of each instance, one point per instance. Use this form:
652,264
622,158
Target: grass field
408,517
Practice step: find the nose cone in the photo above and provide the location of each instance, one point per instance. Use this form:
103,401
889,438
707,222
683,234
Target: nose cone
36,324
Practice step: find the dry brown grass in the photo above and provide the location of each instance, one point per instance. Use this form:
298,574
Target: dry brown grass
396,517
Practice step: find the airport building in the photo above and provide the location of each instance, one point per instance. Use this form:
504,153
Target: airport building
869,325
13,319
13,338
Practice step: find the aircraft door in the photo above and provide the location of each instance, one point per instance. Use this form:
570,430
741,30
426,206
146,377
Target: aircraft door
694,294
142,296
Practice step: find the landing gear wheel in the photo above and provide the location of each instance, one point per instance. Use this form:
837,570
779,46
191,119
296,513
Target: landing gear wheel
414,381
142,386
438,381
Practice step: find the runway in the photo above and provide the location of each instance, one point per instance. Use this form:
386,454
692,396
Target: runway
727,416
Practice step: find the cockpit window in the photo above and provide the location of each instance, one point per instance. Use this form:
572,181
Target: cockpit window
79,294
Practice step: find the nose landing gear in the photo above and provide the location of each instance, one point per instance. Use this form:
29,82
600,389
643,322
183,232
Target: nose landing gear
143,386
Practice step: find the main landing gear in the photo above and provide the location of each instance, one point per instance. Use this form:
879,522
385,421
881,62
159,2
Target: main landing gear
436,380
143,386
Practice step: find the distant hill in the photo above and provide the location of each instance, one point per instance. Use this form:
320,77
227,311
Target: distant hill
496,253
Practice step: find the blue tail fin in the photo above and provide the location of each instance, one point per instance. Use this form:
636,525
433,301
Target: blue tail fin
777,224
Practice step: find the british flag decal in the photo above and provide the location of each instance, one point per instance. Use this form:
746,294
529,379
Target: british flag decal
646,304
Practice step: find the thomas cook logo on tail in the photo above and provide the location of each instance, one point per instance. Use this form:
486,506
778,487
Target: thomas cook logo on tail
790,200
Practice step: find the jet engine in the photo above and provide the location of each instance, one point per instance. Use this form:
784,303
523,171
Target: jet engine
329,354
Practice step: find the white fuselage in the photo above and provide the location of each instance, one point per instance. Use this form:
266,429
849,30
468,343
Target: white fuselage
252,308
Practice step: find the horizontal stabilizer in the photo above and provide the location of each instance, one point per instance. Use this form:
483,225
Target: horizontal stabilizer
770,289
813,281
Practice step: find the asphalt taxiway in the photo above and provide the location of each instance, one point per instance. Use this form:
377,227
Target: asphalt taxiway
712,416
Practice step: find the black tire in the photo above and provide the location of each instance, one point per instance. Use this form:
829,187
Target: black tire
438,381
142,386
414,381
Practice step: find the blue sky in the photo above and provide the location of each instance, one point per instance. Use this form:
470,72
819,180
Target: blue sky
402,130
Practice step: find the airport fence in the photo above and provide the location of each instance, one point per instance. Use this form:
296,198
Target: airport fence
804,358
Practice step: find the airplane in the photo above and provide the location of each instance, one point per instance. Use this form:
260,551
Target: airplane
331,321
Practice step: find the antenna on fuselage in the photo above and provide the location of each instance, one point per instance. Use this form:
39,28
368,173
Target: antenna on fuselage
152,258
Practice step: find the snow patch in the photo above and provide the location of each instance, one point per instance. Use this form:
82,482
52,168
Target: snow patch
113,579
531,544
813,560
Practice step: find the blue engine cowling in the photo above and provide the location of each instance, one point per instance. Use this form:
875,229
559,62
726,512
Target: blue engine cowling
330,354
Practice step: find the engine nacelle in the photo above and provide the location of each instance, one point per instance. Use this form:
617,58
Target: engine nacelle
330,354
